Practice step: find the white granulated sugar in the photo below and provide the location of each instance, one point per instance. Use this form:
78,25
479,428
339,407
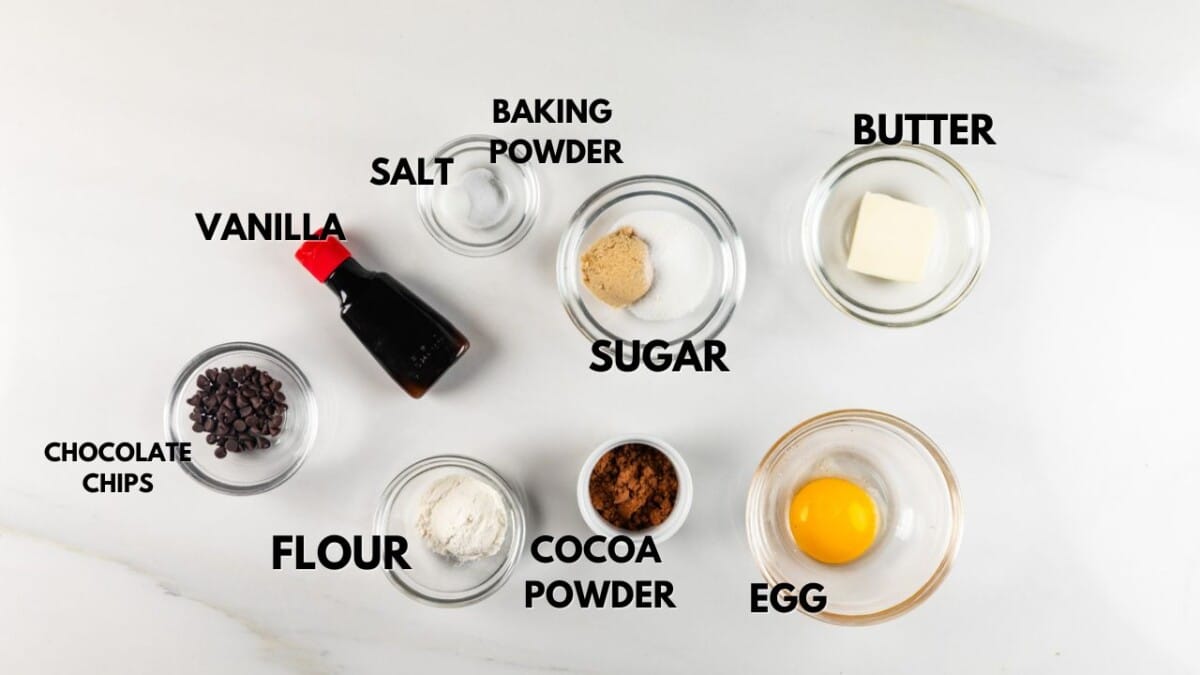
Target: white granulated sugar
462,517
682,260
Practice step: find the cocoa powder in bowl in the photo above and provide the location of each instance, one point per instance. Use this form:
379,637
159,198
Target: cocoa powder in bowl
633,487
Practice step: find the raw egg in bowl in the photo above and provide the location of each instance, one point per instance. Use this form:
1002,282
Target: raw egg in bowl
862,503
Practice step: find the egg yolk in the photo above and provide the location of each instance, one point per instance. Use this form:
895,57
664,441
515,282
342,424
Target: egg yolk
832,520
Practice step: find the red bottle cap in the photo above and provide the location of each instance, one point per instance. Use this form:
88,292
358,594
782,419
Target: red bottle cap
322,257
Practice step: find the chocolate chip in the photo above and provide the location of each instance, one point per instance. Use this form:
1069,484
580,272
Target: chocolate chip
238,409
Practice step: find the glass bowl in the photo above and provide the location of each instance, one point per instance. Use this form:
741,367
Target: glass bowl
683,500
915,173
920,514
435,579
604,211
245,473
510,191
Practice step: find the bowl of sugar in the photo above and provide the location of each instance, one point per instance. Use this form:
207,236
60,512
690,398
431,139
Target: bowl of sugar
650,258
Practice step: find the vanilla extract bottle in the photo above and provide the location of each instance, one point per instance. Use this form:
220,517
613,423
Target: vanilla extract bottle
411,340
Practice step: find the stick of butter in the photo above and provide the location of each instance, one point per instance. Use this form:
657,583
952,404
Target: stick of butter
892,238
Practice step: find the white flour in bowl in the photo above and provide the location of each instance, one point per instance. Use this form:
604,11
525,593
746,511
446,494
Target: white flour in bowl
463,518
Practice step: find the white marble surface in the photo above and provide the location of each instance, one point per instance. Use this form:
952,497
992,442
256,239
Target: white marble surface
1063,390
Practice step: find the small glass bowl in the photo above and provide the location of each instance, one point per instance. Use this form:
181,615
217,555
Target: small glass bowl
245,473
445,208
683,499
920,513
434,579
915,173
601,212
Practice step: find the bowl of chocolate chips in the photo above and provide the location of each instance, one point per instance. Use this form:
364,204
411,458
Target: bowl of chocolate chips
249,414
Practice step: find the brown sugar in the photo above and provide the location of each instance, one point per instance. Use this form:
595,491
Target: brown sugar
633,487
616,268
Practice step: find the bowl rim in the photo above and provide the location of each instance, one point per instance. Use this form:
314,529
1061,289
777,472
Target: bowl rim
683,500
939,573
528,215
909,317
188,373
511,494
566,267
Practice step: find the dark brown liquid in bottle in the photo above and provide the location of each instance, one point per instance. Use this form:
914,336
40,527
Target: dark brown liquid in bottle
412,342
